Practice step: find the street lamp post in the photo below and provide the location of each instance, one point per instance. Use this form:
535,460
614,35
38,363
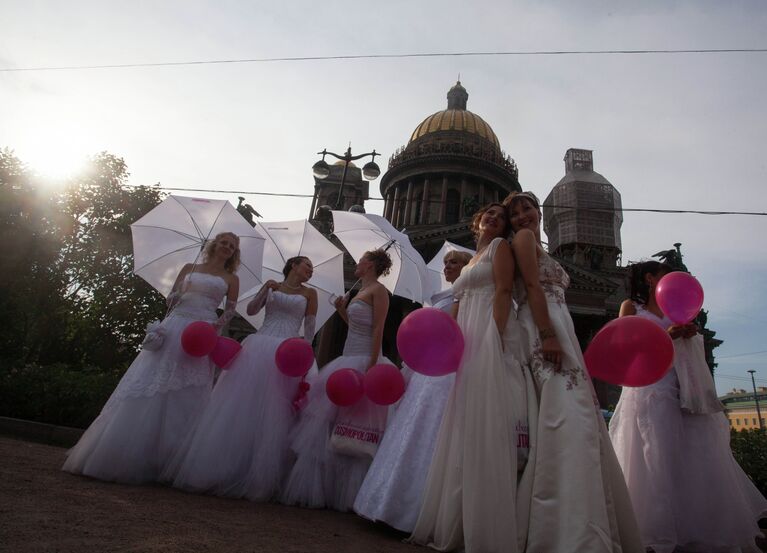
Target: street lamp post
370,171
756,400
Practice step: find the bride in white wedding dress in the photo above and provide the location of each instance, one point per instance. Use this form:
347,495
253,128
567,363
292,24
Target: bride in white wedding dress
162,393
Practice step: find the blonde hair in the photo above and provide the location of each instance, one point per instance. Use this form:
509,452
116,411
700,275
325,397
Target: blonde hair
457,255
232,264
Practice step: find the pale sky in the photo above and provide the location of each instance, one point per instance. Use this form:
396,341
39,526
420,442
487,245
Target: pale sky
669,131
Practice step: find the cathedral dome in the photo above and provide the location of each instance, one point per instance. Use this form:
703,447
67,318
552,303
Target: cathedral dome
456,118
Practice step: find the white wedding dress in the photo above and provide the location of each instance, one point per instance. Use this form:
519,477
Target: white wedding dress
322,477
471,500
239,447
579,498
393,487
157,401
687,489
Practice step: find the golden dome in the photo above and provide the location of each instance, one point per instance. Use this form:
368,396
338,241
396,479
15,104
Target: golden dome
455,120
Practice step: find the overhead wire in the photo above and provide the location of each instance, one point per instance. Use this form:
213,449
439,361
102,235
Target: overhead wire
391,56
555,206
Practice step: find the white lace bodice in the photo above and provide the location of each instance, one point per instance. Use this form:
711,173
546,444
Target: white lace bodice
359,340
201,294
553,278
284,314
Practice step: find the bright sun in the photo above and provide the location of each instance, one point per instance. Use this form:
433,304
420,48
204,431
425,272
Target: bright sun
55,161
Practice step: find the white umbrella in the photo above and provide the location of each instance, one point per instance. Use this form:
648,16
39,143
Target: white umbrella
291,238
175,231
360,232
435,267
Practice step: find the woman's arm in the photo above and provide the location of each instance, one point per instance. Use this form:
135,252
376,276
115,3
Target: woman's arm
380,309
627,308
503,275
526,253
310,315
259,300
232,294
175,292
456,307
340,305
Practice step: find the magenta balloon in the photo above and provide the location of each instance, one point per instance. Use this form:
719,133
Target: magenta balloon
294,357
430,342
630,351
384,384
680,296
344,387
199,338
225,351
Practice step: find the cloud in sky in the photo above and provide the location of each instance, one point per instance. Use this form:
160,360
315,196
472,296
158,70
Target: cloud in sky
681,131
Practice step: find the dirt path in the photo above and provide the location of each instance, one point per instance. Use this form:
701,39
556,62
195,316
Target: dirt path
45,510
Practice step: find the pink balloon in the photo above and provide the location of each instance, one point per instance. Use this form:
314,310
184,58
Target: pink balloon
225,351
430,342
294,357
384,384
344,387
680,296
199,338
630,351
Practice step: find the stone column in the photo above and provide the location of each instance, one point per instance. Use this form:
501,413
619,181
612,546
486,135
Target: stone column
464,192
443,200
481,193
425,203
395,206
407,219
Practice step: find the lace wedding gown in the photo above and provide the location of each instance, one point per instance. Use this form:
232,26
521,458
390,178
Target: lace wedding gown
687,489
239,447
392,489
156,402
322,477
471,498
579,498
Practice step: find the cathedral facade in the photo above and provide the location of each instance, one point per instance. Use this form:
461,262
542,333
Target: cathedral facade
452,164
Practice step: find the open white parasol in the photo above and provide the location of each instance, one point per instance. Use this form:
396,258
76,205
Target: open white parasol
360,232
175,232
288,239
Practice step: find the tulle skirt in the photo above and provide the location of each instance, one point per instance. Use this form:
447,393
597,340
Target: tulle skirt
687,489
133,441
393,487
239,447
322,477
147,417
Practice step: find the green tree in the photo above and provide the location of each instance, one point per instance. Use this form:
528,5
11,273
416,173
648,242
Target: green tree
33,306
97,259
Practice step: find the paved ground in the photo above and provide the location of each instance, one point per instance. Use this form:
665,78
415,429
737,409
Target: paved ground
45,510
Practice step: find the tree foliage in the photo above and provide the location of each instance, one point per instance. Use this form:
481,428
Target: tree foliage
67,292
749,447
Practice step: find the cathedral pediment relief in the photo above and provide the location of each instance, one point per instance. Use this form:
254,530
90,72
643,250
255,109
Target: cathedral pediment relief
589,280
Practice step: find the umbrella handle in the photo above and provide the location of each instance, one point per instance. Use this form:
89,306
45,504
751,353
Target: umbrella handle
333,297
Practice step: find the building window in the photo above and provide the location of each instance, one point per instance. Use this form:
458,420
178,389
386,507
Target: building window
737,421
754,419
453,207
